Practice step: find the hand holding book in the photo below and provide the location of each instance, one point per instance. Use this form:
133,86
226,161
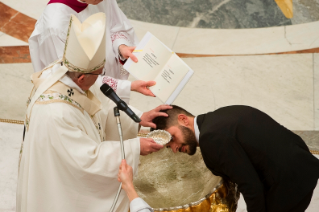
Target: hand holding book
157,62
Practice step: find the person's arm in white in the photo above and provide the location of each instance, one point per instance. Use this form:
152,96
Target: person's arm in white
46,48
125,176
122,32
123,88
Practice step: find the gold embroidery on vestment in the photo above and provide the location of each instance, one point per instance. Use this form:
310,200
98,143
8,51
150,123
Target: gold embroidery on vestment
59,100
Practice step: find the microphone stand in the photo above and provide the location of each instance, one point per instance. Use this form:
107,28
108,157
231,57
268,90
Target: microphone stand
119,127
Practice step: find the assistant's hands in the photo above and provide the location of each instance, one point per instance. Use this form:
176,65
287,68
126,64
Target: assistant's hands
125,176
142,87
148,117
126,52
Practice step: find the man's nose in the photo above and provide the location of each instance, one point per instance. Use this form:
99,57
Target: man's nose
174,147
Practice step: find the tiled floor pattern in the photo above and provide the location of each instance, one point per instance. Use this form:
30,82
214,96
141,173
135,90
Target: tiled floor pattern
15,54
15,23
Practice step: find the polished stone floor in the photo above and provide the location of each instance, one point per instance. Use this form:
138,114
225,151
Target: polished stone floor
311,138
219,14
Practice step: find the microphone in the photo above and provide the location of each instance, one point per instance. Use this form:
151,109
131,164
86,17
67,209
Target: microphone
109,92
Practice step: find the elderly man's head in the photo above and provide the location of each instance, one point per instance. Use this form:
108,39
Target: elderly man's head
84,52
85,81
180,124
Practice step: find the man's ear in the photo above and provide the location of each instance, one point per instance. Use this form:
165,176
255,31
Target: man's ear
80,80
183,120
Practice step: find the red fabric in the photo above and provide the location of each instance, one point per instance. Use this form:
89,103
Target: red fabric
122,62
74,4
119,35
111,82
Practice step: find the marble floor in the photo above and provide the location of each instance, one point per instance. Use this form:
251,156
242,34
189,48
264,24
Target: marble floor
10,143
218,14
221,14
271,83
16,90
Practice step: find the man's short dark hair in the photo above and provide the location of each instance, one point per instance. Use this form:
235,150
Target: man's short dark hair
163,123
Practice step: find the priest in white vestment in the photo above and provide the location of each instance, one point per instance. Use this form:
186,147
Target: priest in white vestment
47,41
68,162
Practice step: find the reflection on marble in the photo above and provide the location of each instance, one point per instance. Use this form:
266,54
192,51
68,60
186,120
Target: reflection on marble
316,91
7,40
247,41
10,143
15,89
280,85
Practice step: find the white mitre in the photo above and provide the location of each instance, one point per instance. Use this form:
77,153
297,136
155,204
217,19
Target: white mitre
85,45
84,52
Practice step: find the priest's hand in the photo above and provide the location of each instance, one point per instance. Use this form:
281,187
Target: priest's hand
142,87
125,176
126,52
148,117
148,145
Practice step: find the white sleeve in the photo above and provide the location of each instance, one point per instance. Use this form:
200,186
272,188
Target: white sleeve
124,90
139,205
122,31
119,38
121,87
46,48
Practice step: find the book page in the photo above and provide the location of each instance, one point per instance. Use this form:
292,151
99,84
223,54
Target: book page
169,78
151,60
180,87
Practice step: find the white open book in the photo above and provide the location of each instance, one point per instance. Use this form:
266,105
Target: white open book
158,63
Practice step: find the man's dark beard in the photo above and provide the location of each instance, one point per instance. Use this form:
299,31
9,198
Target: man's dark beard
190,139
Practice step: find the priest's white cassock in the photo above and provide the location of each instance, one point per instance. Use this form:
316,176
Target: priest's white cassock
65,165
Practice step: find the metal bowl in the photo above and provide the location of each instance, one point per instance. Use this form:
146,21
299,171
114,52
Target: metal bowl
160,136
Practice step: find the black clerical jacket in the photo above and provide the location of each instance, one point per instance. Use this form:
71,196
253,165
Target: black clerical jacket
272,166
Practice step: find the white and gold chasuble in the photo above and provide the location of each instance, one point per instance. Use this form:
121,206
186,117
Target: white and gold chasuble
71,152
